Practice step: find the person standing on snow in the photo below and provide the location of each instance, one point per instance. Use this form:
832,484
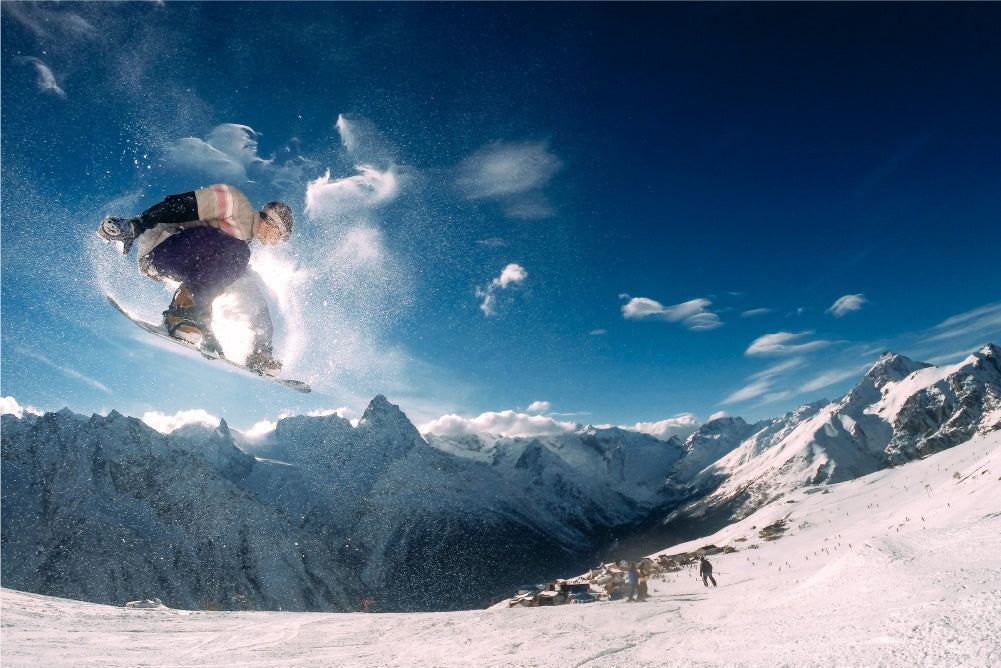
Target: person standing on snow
632,581
706,571
200,239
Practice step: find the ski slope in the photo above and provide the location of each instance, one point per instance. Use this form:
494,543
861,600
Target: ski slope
899,568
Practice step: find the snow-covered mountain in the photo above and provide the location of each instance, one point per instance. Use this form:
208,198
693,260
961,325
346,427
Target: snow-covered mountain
899,568
326,514
899,411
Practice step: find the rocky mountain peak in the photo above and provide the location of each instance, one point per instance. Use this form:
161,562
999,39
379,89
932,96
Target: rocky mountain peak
380,409
382,417
890,368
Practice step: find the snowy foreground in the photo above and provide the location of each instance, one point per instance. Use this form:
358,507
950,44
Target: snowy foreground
899,568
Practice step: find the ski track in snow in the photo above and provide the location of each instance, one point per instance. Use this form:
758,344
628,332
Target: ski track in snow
900,568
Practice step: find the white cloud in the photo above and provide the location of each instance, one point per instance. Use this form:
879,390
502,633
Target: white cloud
692,314
167,423
755,312
260,431
369,188
682,426
718,415
505,423
9,406
325,412
539,407
512,274
781,343
44,78
847,304
230,153
226,153
513,173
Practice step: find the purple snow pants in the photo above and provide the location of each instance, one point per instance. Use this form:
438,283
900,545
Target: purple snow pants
203,259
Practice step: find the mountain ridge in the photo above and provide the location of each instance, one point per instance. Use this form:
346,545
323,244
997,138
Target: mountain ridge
326,513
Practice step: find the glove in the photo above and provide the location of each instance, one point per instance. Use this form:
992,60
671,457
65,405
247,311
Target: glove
118,229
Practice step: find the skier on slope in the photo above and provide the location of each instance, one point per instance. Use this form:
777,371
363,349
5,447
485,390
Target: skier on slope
200,239
706,571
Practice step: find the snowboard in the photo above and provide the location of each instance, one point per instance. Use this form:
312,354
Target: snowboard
161,331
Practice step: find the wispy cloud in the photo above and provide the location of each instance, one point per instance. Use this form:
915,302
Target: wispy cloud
512,274
847,304
513,174
800,376
365,143
762,384
66,371
51,24
784,343
44,77
493,242
832,376
983,323
692,314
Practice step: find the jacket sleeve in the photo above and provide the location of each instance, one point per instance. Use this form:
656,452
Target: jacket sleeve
174,209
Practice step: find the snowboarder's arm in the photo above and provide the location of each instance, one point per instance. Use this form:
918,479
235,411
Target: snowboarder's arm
173,209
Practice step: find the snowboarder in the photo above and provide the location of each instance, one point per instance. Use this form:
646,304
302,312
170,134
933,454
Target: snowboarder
706,571
200,239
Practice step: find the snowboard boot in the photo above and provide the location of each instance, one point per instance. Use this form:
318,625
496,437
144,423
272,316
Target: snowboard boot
119,229
263,364
183,320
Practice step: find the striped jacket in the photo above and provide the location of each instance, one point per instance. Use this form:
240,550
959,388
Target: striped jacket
220,206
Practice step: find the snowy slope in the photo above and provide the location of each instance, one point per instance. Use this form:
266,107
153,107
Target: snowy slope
898,568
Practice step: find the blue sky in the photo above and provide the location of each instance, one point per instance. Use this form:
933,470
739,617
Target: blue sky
516,215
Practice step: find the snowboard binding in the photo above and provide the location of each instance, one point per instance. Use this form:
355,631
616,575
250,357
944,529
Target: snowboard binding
185,321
